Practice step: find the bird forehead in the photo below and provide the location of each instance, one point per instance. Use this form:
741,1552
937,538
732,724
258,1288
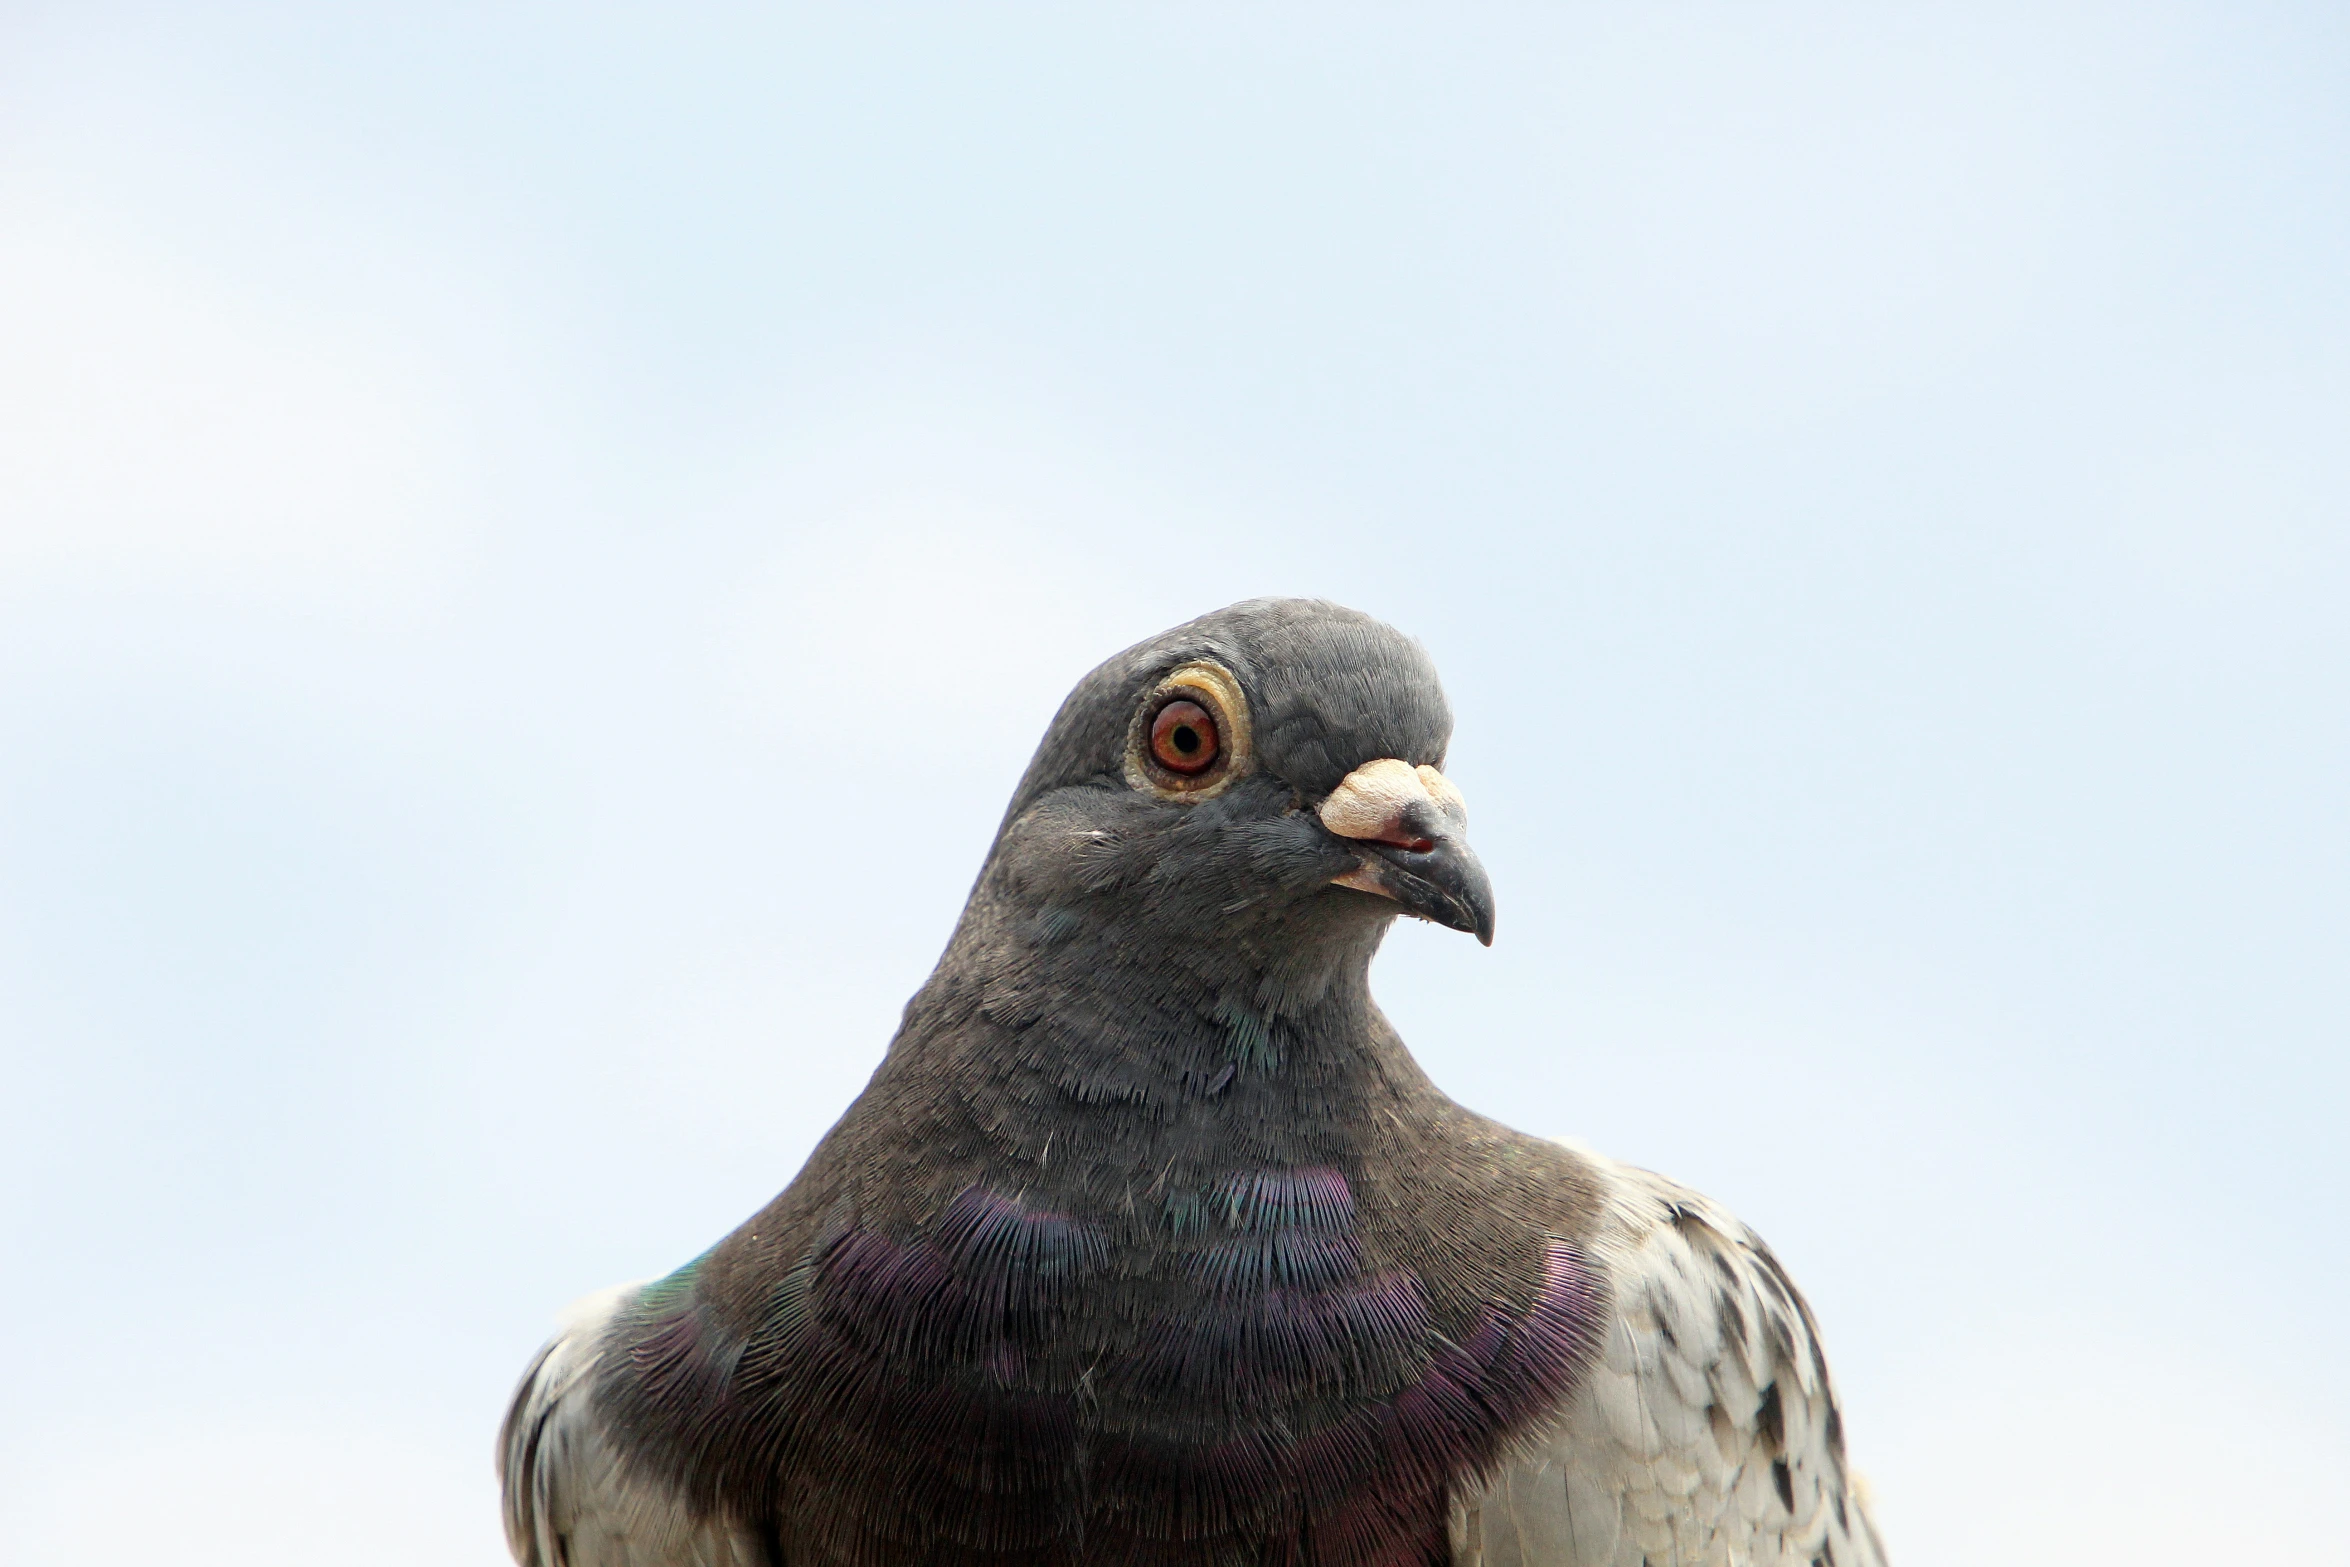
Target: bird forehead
1332,687
1314,732
1328,689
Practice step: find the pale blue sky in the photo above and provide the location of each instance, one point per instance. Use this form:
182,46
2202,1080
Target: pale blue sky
500,508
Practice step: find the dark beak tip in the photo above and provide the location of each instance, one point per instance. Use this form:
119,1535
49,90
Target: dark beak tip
1445,886
1480,920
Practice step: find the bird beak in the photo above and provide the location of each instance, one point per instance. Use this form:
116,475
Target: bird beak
1409,826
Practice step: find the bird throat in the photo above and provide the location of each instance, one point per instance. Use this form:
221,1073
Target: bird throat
1108,1265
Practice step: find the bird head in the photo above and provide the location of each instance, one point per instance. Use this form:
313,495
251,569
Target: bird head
1266,778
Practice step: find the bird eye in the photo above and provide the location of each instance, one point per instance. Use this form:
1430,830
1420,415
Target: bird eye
1189,736
1184,738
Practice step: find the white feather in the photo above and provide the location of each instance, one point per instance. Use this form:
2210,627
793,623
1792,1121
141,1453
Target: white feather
571,1500
1708,1379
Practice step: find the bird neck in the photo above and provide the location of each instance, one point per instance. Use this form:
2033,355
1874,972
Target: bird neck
1097,1063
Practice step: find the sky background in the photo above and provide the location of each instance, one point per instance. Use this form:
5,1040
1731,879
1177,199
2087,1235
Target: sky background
502,507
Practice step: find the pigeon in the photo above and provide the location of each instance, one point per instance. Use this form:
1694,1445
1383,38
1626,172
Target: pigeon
1148,1241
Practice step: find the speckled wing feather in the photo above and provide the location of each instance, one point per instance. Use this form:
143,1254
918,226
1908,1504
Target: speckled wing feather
1706,1432
571,1501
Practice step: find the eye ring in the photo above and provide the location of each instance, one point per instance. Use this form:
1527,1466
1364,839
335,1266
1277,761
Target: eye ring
1201,697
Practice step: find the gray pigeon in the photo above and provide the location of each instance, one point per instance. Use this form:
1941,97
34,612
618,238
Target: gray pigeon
1150,1243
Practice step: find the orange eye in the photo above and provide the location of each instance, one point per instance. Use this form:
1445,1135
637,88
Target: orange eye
1183,738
